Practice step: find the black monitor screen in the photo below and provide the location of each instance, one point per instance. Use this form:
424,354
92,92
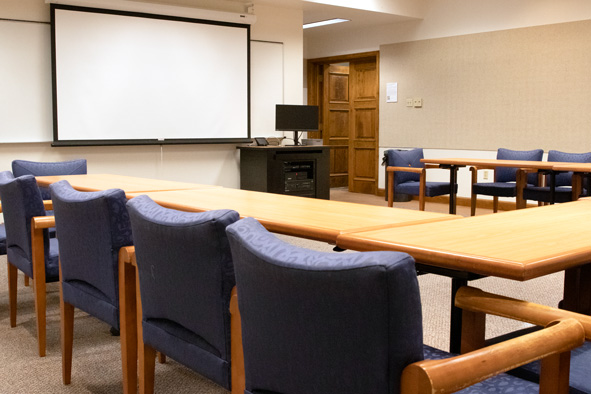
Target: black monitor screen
296,117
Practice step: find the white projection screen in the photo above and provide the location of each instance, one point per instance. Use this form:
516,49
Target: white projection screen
129,78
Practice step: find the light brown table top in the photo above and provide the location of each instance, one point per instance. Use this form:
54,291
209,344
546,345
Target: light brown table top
520,245
311,218
129,184
575,167
462,161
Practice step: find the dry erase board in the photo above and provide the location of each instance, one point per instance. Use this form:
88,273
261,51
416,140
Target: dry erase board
25,82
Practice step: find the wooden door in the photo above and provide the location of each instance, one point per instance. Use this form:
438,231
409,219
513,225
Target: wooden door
336,122
363,126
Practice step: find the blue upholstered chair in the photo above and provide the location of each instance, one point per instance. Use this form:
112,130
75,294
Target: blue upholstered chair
504,177
407,175
38,168
186,277
92,228
563,189
29,248
324,323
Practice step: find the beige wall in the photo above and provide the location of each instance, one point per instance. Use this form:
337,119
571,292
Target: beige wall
519,89
211,164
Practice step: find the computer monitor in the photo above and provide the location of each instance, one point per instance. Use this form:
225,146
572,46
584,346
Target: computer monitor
296,118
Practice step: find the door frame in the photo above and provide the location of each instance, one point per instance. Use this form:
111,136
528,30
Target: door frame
313,69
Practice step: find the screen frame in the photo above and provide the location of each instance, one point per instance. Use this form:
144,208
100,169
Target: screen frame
148,141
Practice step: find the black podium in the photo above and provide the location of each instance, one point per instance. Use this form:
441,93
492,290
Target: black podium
295,170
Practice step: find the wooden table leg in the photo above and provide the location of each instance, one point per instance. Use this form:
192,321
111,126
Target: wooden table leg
577,289
128,325
577,185
455,332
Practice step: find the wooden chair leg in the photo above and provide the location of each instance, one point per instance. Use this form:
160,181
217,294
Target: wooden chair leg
67,338
147,361
12,285
390,189
27,280
495,204
40,311
161,358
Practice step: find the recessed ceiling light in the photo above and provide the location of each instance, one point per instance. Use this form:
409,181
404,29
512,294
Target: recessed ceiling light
326,22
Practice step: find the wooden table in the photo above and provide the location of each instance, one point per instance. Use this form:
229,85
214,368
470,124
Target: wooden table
318,219
454,163
130,184
518,245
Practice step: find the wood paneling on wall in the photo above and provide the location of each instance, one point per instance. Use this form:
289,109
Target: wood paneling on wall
521,89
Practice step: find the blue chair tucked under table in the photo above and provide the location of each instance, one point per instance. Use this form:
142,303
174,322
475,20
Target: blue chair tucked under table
186,276
349,323
92,228
407,175
504,177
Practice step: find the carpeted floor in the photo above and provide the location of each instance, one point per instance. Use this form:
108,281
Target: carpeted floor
97,362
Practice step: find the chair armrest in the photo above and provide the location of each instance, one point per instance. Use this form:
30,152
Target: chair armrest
455,373
417,170
476,300
127,254
0,207
41,222
48,205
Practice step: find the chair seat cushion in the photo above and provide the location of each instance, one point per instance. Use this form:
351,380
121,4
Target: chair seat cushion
499,189
542,193
499,384
432,189
580,360
2,239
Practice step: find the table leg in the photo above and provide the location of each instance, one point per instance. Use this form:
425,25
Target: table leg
453,181
577,185
455,334
577,289
128,325
552,187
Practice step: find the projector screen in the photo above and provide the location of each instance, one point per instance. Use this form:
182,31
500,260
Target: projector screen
131,78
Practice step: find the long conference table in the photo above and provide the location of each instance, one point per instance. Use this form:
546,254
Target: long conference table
518,245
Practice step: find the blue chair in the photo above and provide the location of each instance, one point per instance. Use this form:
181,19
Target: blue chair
92,228
563,187
186,277
504,177
339,323
38,168
407,175
29,248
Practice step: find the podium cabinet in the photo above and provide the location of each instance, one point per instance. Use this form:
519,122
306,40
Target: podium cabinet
295,170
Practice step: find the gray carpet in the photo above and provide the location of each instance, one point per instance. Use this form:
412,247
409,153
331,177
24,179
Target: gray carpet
97,362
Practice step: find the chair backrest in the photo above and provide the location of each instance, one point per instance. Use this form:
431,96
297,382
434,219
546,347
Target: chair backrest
323,323
508,174
186,277
21,201
92,227
38,168
564,179
405,158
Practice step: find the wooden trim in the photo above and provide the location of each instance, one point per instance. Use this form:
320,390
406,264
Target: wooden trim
345,58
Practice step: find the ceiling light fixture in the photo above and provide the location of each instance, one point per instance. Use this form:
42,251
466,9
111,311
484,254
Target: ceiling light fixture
324,23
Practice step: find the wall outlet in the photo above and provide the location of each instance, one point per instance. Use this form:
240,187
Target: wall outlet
485,175
418,102
409,102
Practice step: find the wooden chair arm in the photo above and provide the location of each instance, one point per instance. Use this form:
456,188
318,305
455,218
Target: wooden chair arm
417,170
127,254
0,207
456,373
478,168
48,205
41,222
476,300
